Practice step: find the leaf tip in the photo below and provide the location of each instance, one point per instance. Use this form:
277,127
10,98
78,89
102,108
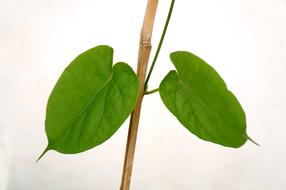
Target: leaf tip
250,139
44,152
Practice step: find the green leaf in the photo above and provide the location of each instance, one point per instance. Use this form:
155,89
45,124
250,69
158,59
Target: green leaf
200,100
90,101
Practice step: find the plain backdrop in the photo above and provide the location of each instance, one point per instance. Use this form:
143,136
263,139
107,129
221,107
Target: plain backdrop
244,40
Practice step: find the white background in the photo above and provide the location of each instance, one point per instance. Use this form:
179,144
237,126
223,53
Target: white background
244,40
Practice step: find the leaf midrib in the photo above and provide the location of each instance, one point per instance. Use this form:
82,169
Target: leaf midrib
82,111
201,101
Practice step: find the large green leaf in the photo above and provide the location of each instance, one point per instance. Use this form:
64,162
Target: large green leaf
200,100
90,101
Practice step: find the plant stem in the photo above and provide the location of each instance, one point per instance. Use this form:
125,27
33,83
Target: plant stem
160,44
151,91
143,57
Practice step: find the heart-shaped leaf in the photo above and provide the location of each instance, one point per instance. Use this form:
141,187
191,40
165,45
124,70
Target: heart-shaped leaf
90,101
200,100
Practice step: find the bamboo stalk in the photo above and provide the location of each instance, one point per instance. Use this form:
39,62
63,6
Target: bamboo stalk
143,57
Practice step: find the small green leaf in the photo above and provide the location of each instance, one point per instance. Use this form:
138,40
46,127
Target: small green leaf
200,100
90,101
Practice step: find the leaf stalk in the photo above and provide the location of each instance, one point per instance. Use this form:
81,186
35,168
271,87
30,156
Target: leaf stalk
151,91
160,44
